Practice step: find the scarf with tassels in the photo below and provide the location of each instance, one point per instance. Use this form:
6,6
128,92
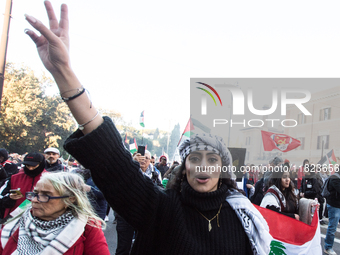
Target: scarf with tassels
44,237
252,221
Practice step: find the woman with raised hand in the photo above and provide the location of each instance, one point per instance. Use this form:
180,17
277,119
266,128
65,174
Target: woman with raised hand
201,214
60,220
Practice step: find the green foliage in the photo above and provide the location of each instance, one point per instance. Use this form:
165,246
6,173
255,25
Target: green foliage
30,119
277,248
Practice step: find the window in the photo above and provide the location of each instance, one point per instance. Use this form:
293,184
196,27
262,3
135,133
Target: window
248,140
325,114
325,140
301,118
302,140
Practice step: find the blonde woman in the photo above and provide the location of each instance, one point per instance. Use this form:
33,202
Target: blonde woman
60,220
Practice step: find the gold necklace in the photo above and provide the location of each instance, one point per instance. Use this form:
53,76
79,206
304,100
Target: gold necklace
209,225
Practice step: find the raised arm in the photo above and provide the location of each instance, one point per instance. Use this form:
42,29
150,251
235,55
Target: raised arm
53,49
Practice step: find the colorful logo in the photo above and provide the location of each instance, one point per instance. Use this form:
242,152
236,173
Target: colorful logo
212,89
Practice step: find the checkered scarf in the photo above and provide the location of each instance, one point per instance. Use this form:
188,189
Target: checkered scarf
44,237
206,142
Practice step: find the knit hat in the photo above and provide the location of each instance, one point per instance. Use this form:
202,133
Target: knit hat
4,153
33,159
206,142
160,158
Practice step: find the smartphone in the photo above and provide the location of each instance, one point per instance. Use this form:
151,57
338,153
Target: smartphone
141,150
15,191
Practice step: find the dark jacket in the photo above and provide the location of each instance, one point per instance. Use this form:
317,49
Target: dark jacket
55,167
162,168
167,222
97,199
334,189
10,167
311,186
259,192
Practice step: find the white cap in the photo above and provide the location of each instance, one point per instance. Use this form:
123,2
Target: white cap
52,149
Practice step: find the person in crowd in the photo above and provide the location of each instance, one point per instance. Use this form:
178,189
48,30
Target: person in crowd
243,181
60,220
148,169
153,160
301,172
168,174
34,166
9,166
311,188
333,207
263,184
53,164
202,213
94,195
280,196
162,165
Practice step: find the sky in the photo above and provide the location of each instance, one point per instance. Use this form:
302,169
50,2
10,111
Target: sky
140,55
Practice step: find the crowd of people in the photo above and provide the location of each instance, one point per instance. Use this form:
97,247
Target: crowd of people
53,206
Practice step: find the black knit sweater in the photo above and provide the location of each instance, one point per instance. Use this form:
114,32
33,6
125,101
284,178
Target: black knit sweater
167,222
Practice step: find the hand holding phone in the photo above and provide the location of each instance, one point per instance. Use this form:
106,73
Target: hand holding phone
15,194
141,150
15,191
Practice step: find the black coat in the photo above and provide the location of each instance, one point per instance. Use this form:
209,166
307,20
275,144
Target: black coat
312,187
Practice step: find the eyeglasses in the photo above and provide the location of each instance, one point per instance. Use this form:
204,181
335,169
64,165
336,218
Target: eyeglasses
152,162
41,198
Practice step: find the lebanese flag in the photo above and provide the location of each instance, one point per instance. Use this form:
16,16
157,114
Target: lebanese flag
141,119
133,146
280,142
292,237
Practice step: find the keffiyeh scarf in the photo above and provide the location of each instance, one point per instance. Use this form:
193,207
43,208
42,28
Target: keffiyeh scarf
44,237
255,226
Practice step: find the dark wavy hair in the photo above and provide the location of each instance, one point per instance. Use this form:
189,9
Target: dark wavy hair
288,192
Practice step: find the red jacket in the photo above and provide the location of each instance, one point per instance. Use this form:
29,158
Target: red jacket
92,242
25,183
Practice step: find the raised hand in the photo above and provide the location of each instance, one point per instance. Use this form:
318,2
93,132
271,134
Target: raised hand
53,43
53,49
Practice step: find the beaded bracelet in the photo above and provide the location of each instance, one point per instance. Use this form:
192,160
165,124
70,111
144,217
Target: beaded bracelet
81,126
66,99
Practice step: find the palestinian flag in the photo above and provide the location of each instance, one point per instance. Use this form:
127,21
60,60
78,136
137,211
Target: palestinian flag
133,146
193,126
292,237
328,159
141,119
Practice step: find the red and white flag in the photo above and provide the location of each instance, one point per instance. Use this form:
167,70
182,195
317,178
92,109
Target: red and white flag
280,142
292,237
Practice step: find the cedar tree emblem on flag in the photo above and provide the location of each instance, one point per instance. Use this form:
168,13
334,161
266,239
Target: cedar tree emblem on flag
280,142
